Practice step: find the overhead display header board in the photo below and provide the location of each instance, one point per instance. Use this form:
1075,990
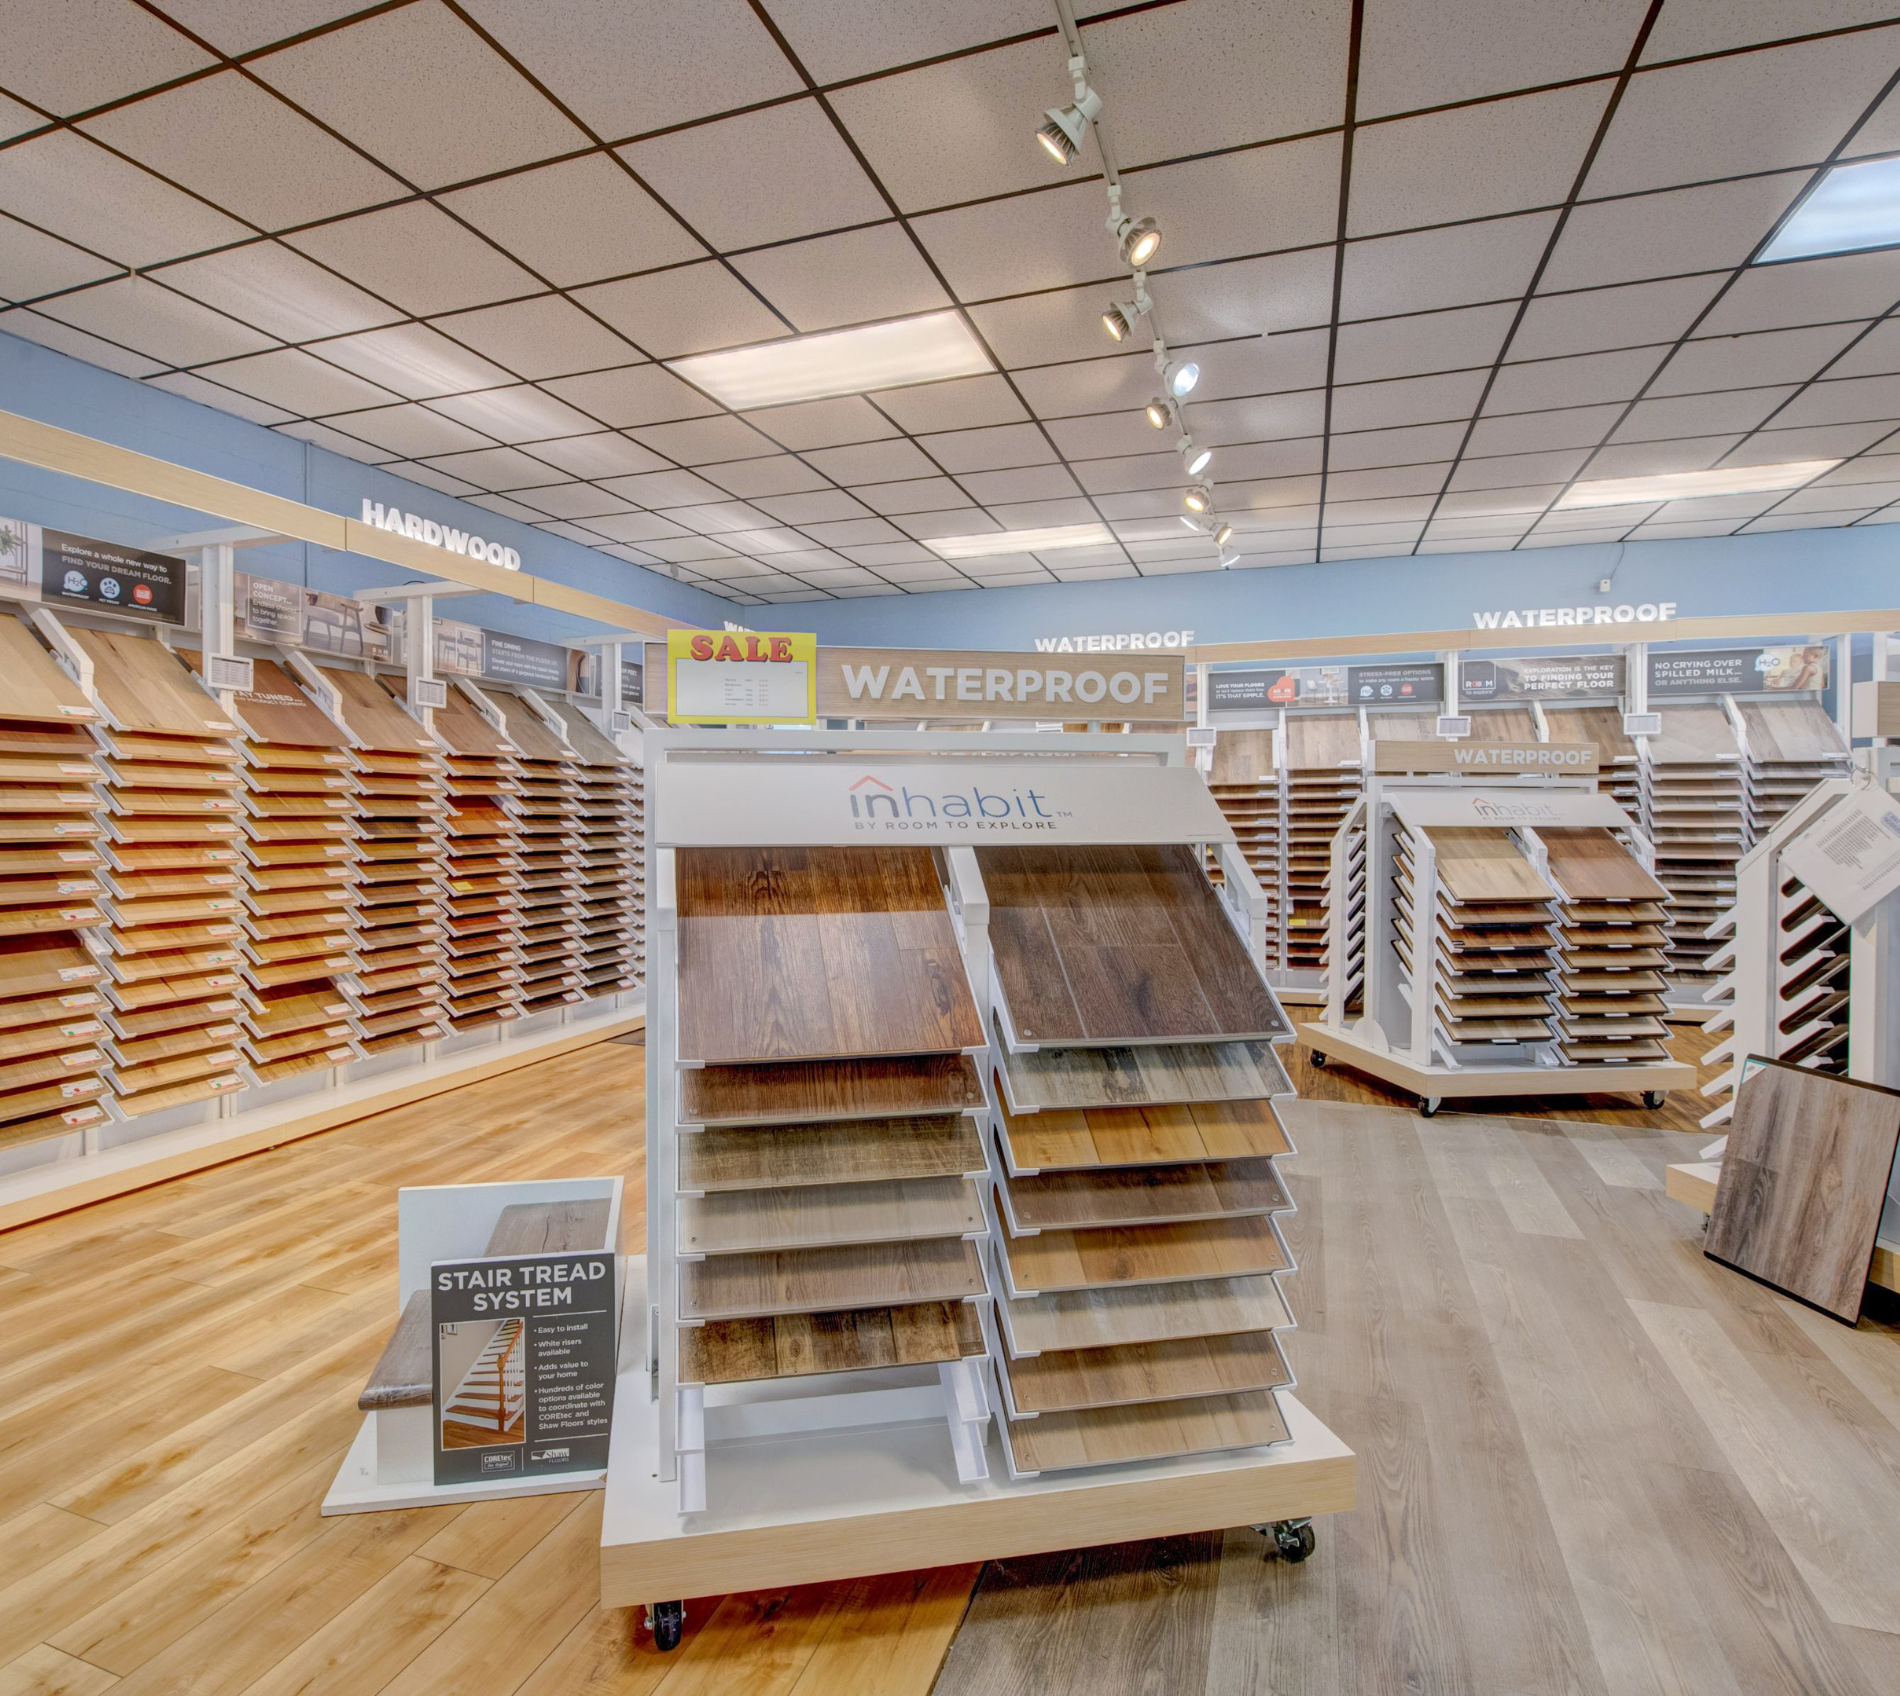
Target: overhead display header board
1788,668
62,569
1541,677
1555,759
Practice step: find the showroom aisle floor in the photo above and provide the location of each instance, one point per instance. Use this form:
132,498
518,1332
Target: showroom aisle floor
1590,1460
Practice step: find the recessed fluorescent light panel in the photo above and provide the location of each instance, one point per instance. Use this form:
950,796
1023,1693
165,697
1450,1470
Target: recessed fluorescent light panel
1687,485
1855,206
839,362
1022,541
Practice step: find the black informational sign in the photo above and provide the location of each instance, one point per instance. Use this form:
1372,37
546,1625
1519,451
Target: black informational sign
632,682
79,570
524,1365
521,659
1541,677
1242,691
269,611
1739,671
1420,681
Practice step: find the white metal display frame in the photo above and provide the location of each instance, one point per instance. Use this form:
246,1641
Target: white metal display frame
731,1487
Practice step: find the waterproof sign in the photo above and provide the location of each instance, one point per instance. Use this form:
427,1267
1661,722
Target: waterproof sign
523,1365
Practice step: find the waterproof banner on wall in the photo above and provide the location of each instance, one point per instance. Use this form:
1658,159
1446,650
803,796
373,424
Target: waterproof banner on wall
1541,677
523,1365
1739,671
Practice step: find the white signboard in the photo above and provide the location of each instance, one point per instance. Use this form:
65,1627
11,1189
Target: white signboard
1504,809
1850,858
810,803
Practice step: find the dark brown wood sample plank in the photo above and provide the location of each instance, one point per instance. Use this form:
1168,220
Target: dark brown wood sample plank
1589,864
1803,1181
813,1090
1152,1074
1112,946
1064,1380
276,708
797,1345
814,1280
790,954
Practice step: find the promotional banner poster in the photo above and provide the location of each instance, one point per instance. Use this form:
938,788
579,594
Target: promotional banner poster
19,559
1257,691
742,677
1541,677
76,570
458,648
1739,671
633,677
1414,682
267,610
521,659
290,615
524,1365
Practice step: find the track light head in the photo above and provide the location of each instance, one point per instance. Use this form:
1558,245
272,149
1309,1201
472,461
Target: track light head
1199,498
1140,240
1121,316
1064,126
1159,413
1223,534
1195,524
1180,376
1195,459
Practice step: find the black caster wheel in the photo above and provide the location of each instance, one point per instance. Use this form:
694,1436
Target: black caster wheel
1427,1106
667,1621
1293,1539
1319,1060
1654,1097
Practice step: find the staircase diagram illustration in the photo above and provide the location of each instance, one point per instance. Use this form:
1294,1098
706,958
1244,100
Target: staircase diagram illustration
488,1404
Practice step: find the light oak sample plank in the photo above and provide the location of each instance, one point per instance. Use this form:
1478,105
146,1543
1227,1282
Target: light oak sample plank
1242,758
558,1227
374,718
829,1215
1484,865
1148,1254
1146,1195
1060,1442
799,1345
1695,735
738,1286
1320,740
1117,946
530,734
861,1150
1803,1182
32,685
147,689
1065,1380
1591,865
789,954
835,1089
1502,724
1150,1075
1076,1139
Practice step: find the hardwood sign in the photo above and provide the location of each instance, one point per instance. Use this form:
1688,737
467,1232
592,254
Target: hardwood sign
1558,759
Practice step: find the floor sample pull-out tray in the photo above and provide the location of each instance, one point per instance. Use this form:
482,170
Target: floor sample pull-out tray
1142,1136
1054,1442
804,1091
844,1151
1067,1380
1142,1313
1135,1077
824,1215
812,1280
1146,1195
799,1345
1148,1254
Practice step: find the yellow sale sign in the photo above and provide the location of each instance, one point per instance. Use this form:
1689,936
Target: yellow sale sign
741,677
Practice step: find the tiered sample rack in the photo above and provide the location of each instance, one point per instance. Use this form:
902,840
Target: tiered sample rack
1791,746
1694,797
1245,783
612,858
173,791
1619,764
1324,776
51,1029
1609,965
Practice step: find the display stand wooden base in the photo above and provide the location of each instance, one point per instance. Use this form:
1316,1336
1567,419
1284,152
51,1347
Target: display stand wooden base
786,1506
355,1489
1693,1184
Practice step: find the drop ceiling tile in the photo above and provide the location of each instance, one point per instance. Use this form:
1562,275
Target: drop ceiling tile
1806,291
1122,382
626,67
497,469
419,90
1398,492
1704,415
67,185
1650,459
1108,435
32,263
715,518
960,403
1699,527
637,527
412,359
1462,266
1823,497
1804,520
543,337
1463,339
1490,505
281,292
1528,433
322,436
705,441
1263,419
1595,518
194,387
666,489
300,383
1472,161
896,560
1772,356
927,526
1870,468
1048,240
1512,470
1247,297
1130,473
917,494
635,394
418,257
83,53
16,119
286,171
604,454
1292,458
1257,366
823,423
1407,400
841,577
430,478
778,474
1581,379
1030,483
1740,113
1688,27
1144,503
1417,444
150,319
1881,132
691,309
239,26
1659,235
1041,329
505,508
1572,538
1257,562
412,431
1732,508
1459,533
768,544
871,462
1875,354
852,531
1090,573
1629,315
814,507
799,177
691,548
1851,400
1037,515
849,278
522,413
837,39
1002,448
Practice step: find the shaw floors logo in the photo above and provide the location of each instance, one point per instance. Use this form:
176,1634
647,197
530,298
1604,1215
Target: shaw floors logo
878,806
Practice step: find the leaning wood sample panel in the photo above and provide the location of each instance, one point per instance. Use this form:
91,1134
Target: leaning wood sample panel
1610,939
788,954
33,689
1695,812
804,1091
1619,771
1119,945
1802,1184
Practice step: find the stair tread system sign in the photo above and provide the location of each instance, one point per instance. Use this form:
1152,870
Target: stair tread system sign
523,1352
1739,671
1541,677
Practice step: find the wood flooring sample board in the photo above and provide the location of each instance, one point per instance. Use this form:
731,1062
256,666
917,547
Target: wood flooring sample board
1484,865
1802,1184
32,686
1591,865
1055,1442
1083,1139
1111,946
809,953
823,1091
1130,1314
1152,1075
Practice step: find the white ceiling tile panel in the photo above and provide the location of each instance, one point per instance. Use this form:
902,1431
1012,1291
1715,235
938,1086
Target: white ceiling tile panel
716,518
1498,506
82,53
690,309
824,423
1675,232
412,431
634,394
1038,515
498,469
666,489
918,494
1711,508
1110,434
1413,445
1869,468
1345,486
1123,382
849,278
704,441
519,414
1772,356
816,506
413,360
1688,27
543,337
1387,510
1574,380
637,527
1806,291
1002,448
321,435
1875,354
417,256
205,393
606,454
301,383
1571,539
871,462
1030,483
1704,415
1804,520
507,508
239,26
1130,474
16,119
837,39
1526,433
34,263
429,477
281,292
1258,366
776,474
1407,400
1463,266
1628,315
1848,401
1445,529
1515,470
852,531
1835,497
1705,527
1246,297
1048,240
1265,503
1466,545
1652,459
1268,459
1264,418
1151,503
894,559
960,403
1411,347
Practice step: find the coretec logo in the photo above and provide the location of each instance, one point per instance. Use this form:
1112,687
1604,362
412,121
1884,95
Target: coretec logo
880,807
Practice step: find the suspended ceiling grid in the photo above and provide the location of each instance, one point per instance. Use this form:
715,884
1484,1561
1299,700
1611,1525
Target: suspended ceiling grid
1436,261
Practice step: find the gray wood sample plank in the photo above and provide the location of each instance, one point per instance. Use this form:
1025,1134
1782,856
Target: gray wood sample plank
1156,1074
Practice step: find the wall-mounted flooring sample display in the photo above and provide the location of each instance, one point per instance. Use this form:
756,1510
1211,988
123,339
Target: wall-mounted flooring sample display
1324,776
1619,768
1791,746
1694,811
1611,934
1245,783
1803,1182
612,846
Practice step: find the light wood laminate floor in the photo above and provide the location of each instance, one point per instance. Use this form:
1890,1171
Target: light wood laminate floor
1590,1460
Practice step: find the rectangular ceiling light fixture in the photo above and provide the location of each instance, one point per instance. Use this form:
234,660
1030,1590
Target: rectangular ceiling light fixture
1853,207
838,362
1022,541
1688,485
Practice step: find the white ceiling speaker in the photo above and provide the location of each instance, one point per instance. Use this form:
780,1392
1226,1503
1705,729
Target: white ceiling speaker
1064,126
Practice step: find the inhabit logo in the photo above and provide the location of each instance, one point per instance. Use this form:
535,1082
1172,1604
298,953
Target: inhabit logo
436,535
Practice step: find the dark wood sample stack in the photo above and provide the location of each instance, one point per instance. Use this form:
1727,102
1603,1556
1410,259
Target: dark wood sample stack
547,823
1133,1170
1791,746
827,1208
298,882
51,1030
1610,957
1619,766
1324,777
397,988
611,853
1694,813
1245,783
175,828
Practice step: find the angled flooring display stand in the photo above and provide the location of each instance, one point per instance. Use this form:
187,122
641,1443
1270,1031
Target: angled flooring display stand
814,1380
